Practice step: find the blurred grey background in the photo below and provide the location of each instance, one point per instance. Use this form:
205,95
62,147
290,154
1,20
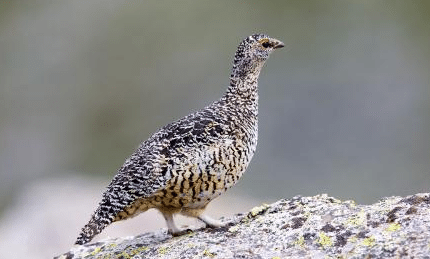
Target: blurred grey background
344,109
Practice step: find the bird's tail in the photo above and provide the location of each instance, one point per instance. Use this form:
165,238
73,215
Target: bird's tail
97,223
102,217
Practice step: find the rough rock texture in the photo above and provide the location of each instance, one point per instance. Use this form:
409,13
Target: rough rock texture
301,227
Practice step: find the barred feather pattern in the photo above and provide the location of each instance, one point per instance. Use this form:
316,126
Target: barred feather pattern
189,162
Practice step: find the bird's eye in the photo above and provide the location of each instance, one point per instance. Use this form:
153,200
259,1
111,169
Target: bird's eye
266,44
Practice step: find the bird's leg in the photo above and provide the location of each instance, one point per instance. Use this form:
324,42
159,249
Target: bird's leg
172,229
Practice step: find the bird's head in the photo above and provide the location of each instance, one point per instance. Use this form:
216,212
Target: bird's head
252,53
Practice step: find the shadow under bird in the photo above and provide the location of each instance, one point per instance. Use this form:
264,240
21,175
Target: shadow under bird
190,162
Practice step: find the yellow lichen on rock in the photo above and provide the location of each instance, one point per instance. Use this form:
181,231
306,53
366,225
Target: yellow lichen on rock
259,209
369,241
393,227
324,240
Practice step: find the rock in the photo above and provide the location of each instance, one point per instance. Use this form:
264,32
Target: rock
301,227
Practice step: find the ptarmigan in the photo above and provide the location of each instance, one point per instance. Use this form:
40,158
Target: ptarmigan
189,162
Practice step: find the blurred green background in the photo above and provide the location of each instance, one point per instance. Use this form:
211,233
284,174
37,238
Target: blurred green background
344,109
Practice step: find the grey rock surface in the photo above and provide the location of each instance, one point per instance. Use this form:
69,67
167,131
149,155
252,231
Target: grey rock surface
301,227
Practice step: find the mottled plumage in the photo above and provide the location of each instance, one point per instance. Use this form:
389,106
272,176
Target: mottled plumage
189,162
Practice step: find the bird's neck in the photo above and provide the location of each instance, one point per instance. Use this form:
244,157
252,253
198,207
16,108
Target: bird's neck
243,89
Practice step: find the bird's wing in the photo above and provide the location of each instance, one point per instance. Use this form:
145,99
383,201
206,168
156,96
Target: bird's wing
147,169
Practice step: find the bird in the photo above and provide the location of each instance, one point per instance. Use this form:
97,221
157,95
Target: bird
188,163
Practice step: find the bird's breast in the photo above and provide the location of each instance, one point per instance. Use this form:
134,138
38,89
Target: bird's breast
208,171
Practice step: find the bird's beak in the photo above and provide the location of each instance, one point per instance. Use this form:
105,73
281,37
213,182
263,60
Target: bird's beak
277,44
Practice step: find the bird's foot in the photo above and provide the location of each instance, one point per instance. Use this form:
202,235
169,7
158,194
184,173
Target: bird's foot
212,223
179,232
